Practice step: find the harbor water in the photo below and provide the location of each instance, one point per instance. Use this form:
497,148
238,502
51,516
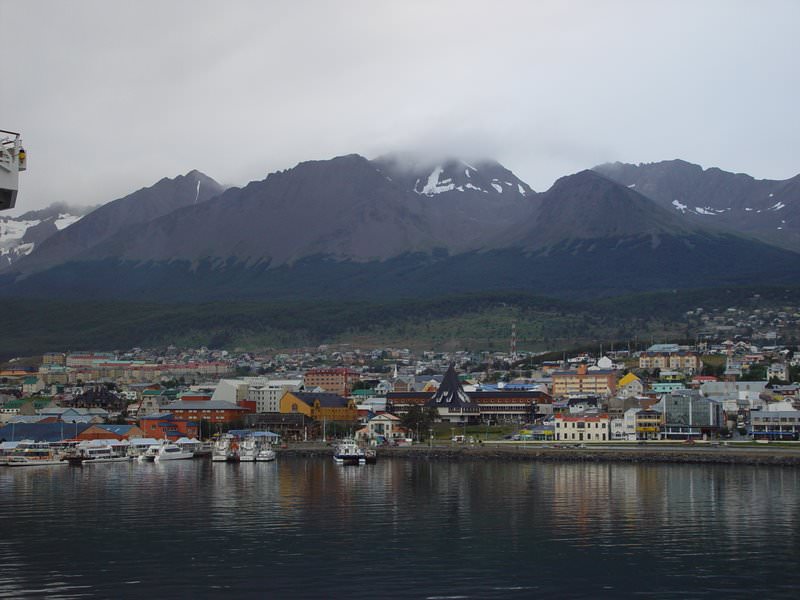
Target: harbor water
307,528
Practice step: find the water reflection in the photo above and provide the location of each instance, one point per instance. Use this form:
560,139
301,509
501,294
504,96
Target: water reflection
398,528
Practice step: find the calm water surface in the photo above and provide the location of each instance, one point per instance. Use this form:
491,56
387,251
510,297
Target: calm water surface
309,528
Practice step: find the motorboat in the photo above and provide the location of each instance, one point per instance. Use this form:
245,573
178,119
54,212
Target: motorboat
226,449
31,454
265,452
172,451
248,450
347,452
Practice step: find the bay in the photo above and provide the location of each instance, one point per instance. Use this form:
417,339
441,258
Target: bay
303,528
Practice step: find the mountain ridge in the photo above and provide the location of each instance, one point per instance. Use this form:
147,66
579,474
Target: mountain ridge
351,227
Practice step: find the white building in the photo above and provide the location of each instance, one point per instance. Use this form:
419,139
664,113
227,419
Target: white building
582,428
267,394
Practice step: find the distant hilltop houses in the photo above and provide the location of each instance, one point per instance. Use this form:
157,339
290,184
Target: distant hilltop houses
729,389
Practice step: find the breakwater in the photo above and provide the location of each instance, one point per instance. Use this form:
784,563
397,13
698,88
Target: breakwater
777,456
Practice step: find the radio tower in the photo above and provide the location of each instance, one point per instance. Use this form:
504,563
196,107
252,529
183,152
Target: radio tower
513,341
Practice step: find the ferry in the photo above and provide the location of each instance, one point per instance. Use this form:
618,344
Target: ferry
32,454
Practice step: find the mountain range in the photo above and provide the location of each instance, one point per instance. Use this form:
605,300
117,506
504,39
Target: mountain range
398,226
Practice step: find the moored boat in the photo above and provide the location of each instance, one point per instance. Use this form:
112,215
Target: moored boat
190,445
226,449
172,451
97,452
248,450
347,452
31,454
265,452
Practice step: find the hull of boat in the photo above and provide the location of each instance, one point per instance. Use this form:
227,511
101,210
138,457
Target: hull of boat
36,463
174,456
349,460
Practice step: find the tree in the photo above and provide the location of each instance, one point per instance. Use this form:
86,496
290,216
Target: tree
419,418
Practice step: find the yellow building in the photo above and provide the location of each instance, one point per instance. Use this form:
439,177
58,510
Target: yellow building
630,386
583,381
322,406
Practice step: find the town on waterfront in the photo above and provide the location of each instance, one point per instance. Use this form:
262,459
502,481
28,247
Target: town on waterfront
732,391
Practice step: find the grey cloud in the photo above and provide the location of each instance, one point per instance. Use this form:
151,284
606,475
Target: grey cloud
112,96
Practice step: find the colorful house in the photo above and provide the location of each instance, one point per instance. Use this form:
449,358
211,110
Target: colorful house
630,386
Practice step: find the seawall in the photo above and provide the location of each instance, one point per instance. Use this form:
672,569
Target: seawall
777,456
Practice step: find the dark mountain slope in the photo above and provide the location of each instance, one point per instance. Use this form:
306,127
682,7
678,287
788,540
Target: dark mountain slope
109,220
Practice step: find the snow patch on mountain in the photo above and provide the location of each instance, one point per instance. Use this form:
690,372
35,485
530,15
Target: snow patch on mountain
678,205
476,188
12,230
704,211
497,187
434,186
777,206
64,221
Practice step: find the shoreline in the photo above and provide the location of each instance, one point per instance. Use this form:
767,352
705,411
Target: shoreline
787,457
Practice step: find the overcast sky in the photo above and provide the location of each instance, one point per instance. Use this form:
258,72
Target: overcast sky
111,96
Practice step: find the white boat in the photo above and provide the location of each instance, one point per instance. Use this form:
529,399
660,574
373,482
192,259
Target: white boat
138,446
96,452
265,452
171,451
249,449
347,452
31,454
190,445
226,449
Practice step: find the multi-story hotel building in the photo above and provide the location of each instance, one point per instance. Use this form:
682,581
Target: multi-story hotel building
339,380
584,382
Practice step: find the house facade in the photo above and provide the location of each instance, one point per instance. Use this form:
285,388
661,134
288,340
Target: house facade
582,428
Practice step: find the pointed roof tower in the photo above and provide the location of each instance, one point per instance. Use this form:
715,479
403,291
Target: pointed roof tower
450,393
